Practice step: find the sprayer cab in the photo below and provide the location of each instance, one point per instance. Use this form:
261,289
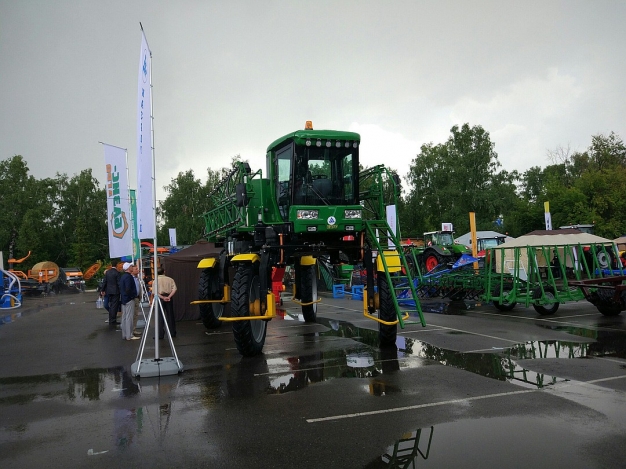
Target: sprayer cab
316,178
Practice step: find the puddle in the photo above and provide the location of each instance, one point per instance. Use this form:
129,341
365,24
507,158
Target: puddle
286,374
487,442
608,343
500,365
75,386
360,358
279,375
9,315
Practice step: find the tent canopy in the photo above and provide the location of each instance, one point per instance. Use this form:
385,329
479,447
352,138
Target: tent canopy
466,239
620,240
182,266
568,236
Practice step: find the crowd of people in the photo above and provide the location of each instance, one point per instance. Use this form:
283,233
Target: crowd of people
122,294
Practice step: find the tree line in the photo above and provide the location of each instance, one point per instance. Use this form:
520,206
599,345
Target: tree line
463,174
63,219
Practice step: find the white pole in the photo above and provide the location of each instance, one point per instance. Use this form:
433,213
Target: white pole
158,310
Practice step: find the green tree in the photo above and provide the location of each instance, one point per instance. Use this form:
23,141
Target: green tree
585,187
183,207
186,201
449,180
79,220
18,195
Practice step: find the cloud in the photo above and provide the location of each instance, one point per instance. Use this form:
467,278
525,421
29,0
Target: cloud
380,146
230,78
524,117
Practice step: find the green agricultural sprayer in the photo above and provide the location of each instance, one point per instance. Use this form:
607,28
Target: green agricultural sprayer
312,203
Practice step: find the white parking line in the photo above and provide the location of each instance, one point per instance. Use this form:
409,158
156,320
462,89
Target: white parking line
430,329
487,313
600,380
418,406
555,321
472,333
458,401
612,360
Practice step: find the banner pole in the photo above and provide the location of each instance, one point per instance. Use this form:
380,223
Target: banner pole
158,366
155,289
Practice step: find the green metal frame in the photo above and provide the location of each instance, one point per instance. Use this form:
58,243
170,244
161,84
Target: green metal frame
380,188
572,265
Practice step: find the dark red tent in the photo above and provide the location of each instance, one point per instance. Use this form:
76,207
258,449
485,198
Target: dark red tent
182,266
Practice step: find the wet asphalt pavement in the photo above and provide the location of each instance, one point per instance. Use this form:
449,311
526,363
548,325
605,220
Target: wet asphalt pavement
475,388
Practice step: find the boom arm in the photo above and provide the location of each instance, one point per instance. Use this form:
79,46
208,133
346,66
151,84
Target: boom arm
230,198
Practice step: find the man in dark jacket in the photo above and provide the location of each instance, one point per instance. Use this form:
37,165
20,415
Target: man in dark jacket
111,288
128,293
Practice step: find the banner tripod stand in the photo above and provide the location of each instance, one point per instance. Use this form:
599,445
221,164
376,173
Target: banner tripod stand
146,368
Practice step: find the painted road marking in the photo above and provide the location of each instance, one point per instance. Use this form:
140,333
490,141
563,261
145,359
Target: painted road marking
472,333
556,387
418,406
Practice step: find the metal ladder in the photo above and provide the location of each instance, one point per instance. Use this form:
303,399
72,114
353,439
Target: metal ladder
391,255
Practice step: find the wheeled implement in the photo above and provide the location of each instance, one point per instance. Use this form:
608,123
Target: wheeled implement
607,294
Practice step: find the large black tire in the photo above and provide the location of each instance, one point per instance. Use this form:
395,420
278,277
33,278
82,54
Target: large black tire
387,312
549,309
249,335
610,309
208,289
502,305
308,285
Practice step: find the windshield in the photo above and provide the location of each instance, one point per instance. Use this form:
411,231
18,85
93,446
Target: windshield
488,243
326,176
445,239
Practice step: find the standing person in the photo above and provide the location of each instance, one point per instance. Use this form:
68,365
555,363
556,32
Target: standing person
167,289
128,293
137,299
111,288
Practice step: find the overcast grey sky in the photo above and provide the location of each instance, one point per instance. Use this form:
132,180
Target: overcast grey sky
229,77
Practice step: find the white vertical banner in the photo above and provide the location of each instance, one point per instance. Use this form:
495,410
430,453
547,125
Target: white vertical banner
118,205
173,237
146,218
548,218
392,222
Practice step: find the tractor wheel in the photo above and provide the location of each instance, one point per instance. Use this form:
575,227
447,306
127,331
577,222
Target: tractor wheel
309,292
551,308
503,305
245,299
603,260
432,260
208,289
610,309
387,312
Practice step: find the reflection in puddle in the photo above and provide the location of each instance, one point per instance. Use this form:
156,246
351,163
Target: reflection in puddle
367,360
325,359
7,317
76,386
462,444
607,343
405,451
502,365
